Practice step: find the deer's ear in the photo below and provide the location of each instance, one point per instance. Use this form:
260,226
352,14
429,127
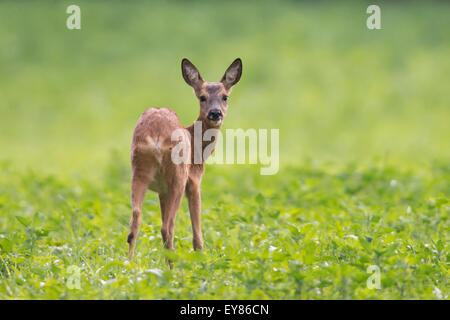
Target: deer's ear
191,74
233,74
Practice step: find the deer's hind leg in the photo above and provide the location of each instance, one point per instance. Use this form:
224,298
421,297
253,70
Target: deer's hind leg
176,178
141,178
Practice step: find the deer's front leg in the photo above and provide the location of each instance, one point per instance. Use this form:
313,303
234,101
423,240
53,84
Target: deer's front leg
195,204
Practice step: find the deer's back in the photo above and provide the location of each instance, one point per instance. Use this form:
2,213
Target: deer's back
157,123
152,136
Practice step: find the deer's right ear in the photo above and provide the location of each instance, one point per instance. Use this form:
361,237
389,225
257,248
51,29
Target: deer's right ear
191,74
233,74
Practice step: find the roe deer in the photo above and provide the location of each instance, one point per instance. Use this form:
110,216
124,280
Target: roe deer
151,161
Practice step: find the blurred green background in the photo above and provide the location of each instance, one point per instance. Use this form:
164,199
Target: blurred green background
364,149
336,90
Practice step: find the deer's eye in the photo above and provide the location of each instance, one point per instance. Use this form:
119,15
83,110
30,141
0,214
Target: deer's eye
202,98
224,98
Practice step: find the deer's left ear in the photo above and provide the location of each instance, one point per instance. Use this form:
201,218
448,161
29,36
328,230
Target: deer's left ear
233,74
191,74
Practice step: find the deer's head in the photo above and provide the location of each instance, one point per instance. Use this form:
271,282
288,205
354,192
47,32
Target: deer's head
213,96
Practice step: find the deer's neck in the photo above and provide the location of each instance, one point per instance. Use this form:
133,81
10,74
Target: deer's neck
197,131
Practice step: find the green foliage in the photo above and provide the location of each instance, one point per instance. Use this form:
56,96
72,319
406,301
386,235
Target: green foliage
364,150
310,237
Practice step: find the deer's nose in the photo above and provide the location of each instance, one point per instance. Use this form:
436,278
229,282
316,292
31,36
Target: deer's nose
214,114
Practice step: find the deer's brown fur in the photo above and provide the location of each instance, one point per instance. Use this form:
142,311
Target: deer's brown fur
151,162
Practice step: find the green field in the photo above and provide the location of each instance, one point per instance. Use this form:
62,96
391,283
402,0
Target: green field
364,174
